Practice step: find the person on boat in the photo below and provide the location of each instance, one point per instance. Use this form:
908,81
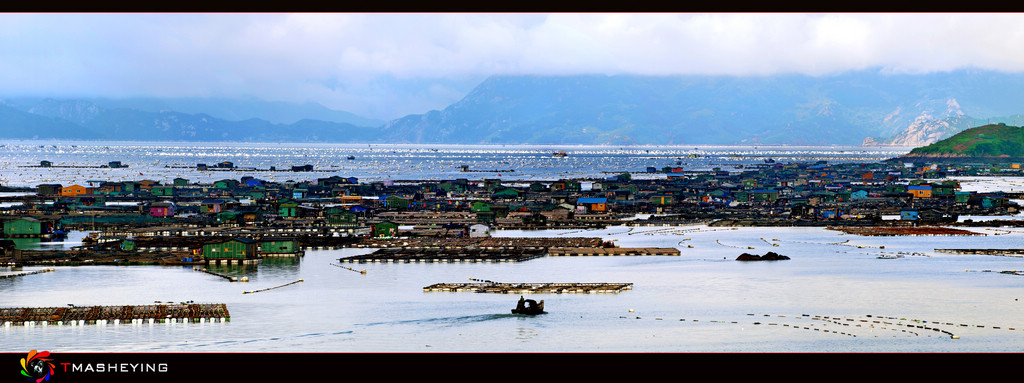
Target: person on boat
522,303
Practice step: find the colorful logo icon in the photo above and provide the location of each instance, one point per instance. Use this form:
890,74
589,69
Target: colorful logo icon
37,366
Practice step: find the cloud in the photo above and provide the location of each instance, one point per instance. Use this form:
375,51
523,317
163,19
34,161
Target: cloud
357,61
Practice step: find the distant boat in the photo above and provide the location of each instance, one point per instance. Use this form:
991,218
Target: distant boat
560,153
351,157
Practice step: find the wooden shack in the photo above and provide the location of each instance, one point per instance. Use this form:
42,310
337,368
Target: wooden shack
230,250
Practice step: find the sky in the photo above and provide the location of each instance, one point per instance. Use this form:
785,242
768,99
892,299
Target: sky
387,65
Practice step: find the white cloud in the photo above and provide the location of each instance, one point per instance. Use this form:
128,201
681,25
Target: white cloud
342,59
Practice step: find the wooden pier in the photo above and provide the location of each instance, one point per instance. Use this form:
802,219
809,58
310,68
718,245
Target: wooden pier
137,314
530,288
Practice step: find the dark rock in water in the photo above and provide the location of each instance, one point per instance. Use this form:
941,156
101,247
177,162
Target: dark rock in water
770,256
748,257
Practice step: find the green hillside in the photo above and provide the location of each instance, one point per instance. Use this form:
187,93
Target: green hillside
996,140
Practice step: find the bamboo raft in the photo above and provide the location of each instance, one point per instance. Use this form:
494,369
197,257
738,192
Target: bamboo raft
603,251
530,288
81,315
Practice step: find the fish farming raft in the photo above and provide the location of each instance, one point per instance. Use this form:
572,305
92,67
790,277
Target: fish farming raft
1008,252
481,242
530,288
403,255
904,231
135,314
606,251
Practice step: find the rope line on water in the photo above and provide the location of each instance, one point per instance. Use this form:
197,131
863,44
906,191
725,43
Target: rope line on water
271,288
898,325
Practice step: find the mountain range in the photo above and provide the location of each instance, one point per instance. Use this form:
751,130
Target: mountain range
866,107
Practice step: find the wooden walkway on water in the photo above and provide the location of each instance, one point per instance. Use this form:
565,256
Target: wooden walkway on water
505,254
401,255
530,288
604,251
1008,252
135,314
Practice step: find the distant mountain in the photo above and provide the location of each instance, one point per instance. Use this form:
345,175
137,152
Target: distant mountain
18,124
994,140
82,119
225,109
240,110
855,108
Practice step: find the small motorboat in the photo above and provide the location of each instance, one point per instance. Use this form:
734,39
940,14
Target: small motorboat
529,307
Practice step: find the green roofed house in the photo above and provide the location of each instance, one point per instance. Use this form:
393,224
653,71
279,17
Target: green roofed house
480,206
128,244
279,247
386,229
962,197
163,191
396,202
288,208
225,184
234,249
24,227
340,216
48,189
507,193
661,199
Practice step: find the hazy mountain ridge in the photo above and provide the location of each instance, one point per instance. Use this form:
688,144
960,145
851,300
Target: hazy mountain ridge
221,108
853,108
83,119
866,107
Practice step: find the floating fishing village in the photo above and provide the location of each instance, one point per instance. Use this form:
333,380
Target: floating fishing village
247,220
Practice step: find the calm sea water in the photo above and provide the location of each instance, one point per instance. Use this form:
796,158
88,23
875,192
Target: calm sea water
835,294
827,298
78,162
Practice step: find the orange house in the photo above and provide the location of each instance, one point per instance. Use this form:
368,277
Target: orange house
351,199
920,191
593,204
74,190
